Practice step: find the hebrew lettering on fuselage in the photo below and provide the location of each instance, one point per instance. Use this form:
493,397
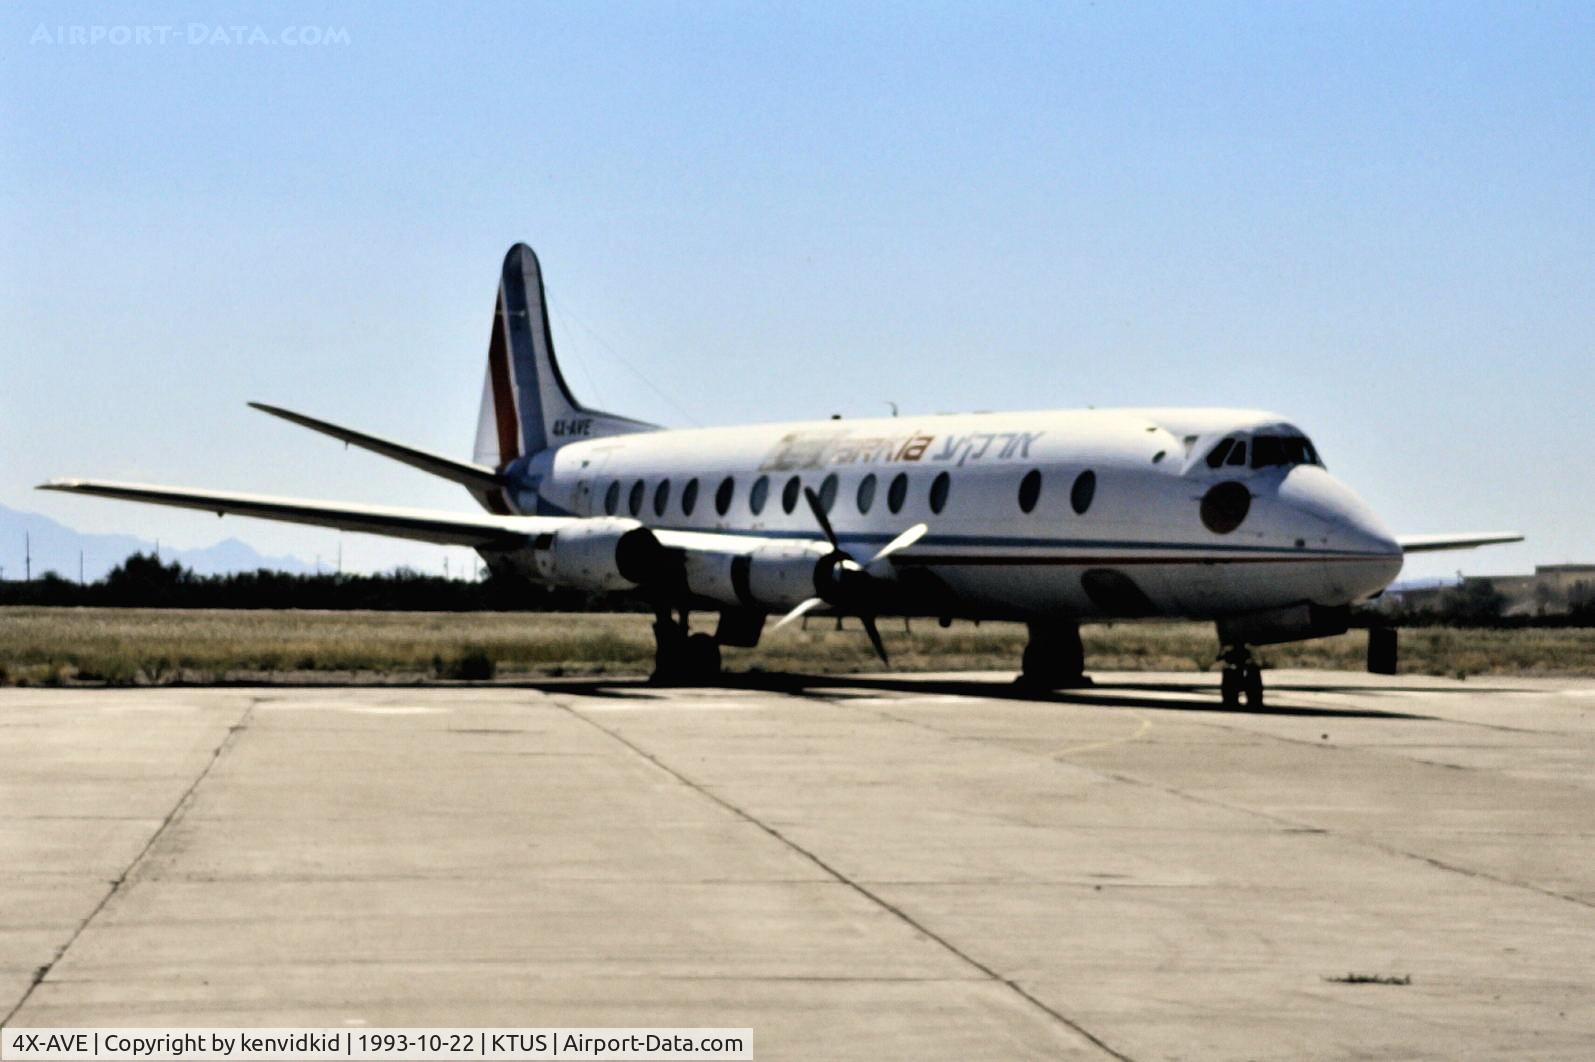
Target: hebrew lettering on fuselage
801,450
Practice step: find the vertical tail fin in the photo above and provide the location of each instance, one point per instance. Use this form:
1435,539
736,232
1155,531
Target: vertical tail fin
526,405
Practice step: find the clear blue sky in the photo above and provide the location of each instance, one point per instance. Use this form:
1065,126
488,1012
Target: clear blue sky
1377,219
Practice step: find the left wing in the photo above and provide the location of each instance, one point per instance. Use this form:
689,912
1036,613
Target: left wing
477,530
1431,543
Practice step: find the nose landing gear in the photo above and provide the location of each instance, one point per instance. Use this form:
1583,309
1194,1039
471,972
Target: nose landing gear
1241,677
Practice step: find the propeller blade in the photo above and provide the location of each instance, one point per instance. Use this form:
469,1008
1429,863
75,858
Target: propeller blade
902,541
874,638
820,517
811,603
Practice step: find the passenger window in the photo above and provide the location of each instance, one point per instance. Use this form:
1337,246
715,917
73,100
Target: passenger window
635,501
938,491
866,493
1084,489
1030,490
1216,456
897,493
828,492
789,494
661,497
757,496
689,497
612,498
1237,456
722,496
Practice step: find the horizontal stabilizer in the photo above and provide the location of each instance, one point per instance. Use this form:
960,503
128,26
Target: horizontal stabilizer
474,476
479,531
1433,543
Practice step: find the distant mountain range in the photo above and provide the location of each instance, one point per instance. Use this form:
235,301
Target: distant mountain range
56,547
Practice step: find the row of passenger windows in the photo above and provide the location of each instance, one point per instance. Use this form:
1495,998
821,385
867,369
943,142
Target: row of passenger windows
1080,494
1266,450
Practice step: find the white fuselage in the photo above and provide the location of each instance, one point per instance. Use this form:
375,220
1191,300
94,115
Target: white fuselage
1110,523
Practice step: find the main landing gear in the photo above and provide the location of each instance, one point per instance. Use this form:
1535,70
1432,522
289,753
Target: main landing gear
1241,677
1054,658
680,657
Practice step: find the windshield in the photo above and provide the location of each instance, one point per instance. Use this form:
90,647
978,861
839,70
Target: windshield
1264,451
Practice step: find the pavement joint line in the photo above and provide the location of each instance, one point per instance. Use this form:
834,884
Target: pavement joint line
1291,824
1367,842
903,916
228,740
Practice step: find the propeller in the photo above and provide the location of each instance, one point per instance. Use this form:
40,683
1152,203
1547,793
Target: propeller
846,568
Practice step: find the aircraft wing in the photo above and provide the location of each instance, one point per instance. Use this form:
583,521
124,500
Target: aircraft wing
479,477
477,530
1431,543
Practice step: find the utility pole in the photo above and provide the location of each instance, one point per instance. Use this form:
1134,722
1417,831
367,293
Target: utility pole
27,558
80,567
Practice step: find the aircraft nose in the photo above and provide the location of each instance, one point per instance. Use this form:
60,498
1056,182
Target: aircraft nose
1341,517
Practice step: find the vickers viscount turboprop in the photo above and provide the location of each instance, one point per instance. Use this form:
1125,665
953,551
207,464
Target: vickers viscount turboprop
1051,518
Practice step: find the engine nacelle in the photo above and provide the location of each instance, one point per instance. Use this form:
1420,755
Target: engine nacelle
600,554
770,578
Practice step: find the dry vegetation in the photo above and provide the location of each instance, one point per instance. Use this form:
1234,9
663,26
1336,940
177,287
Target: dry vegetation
123,646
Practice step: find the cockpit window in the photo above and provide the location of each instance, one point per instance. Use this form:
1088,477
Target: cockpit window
1266,451
1282,450
1216,456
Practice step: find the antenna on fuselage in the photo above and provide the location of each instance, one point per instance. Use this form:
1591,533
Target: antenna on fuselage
893,406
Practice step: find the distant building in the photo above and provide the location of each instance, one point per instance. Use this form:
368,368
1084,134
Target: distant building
1552,589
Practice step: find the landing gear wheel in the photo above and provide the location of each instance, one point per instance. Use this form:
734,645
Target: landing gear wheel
1230,687
1242,677
681,658
670,651
702,658
1253,681
1054,658
1034,666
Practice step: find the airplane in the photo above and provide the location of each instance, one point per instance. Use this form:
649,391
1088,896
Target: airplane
1052,518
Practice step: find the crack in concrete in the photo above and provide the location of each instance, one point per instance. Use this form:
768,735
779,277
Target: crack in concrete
183,800
903,916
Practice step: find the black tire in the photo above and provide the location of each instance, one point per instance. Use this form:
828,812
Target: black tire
703,657
1254,686
1229,686
670,654
1035,669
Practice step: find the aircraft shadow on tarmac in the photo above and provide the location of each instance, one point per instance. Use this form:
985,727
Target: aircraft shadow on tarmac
1187,696
1104,695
